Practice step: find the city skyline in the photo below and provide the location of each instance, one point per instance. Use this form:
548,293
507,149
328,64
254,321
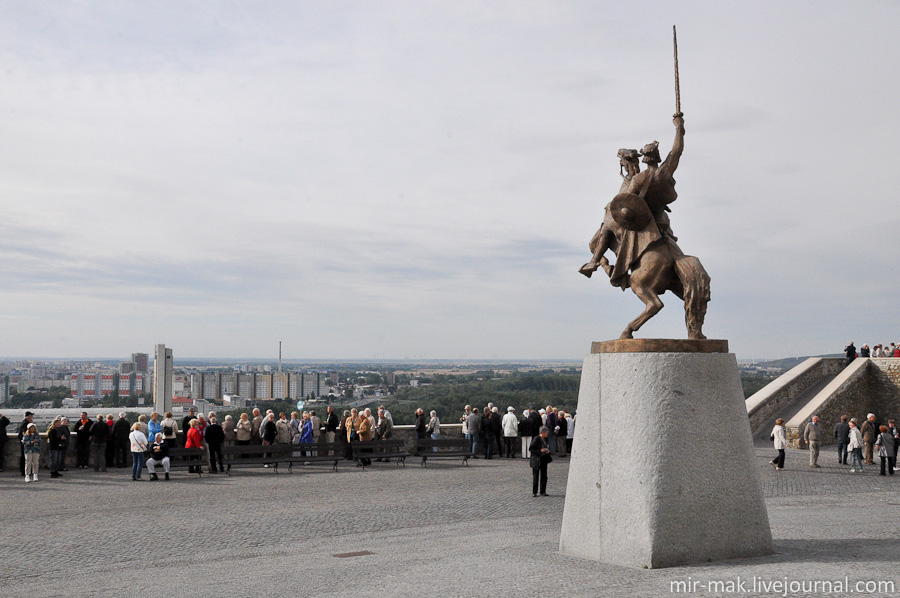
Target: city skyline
408,182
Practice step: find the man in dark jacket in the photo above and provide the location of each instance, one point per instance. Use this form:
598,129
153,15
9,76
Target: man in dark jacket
526,432
850,352
4,421
536,421
99,435
561,434
497,428
421,424
65,434
110,442
842,435
540,457
121,430
331,424
55,442
83,440
869,431
215,437
552,422
894,431
487,433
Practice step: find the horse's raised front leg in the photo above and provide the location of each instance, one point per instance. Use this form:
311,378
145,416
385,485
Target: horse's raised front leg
653,304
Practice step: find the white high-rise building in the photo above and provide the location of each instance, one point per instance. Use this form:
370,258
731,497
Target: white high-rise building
162,379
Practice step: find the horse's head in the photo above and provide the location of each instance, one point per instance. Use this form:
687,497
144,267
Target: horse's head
628,163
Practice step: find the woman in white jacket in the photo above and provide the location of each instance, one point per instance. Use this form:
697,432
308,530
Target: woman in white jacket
780,443
138,448
855,446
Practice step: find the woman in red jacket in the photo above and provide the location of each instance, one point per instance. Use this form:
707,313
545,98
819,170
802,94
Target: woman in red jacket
193,440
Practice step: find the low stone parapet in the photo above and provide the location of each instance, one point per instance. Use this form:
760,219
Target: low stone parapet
12,447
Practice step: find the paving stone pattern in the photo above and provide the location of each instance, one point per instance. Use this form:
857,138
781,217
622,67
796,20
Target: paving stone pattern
444,530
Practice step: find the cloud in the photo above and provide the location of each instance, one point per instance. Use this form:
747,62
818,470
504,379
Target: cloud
413,180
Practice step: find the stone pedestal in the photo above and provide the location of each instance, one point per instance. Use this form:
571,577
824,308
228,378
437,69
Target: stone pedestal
662,471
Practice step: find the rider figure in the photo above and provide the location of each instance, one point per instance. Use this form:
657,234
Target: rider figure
656,185
660,177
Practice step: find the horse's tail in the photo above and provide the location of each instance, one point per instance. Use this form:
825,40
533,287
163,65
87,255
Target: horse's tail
695,282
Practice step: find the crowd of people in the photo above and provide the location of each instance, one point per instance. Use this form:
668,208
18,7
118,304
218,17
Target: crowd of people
109,441
878,351
487,430
859,442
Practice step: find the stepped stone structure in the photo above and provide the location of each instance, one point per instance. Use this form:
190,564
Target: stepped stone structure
824,387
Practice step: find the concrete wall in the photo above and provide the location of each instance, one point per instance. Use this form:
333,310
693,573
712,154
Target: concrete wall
12,450
771,399
884,387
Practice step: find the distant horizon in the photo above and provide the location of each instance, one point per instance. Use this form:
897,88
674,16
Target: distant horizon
398,361
301,360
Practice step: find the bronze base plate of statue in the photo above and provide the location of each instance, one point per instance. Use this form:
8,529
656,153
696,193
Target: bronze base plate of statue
660,345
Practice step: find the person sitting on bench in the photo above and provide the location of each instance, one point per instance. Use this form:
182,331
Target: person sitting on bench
159,453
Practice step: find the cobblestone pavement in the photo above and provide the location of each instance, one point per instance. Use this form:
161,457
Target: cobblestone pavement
443,530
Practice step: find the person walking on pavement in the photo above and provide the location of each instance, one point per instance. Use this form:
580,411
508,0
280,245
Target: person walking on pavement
869,430
540,457
780,442
884,444
813,437
856,445
894,431
842,436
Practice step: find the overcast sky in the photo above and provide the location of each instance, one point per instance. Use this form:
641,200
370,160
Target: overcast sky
421,179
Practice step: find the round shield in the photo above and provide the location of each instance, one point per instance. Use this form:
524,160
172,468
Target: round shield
630,211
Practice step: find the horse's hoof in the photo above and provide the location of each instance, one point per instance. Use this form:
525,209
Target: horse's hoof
626,335
587,269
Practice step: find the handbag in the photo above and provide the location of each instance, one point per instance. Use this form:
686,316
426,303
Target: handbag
772,437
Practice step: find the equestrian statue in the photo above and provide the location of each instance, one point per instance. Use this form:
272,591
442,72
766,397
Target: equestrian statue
637,230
